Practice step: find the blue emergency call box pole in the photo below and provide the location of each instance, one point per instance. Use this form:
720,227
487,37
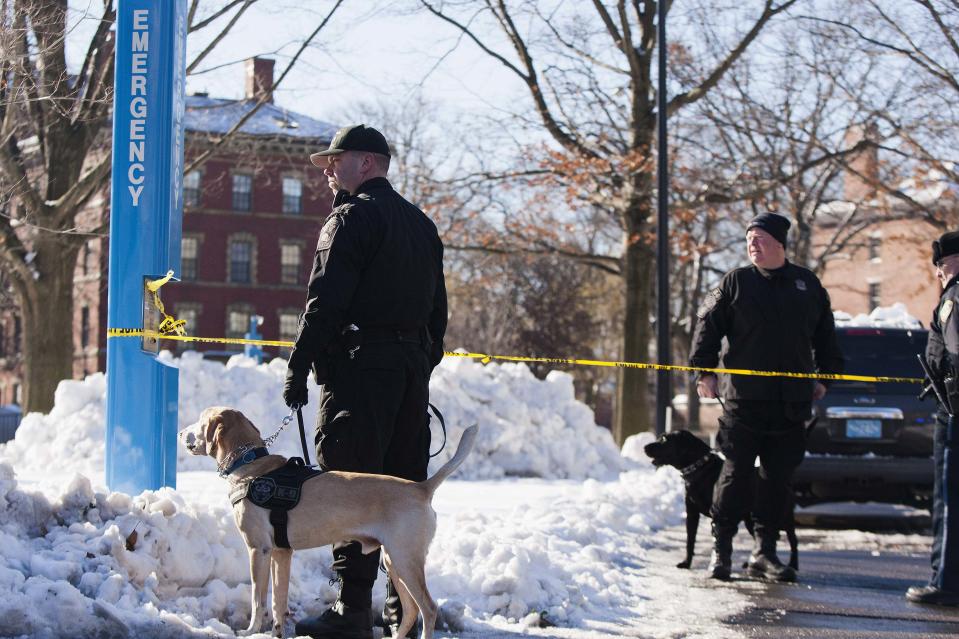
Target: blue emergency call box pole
146,214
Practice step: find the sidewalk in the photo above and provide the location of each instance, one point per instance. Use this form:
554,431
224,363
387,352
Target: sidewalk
847,592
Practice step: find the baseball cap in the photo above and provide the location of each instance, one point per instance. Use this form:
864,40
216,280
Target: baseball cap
357,137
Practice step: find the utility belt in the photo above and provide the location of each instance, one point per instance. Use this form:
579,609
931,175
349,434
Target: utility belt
353,338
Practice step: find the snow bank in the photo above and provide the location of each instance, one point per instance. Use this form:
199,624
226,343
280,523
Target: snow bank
79,560
895,316
528,427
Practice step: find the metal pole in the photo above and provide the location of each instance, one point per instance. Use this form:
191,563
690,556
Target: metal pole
662,230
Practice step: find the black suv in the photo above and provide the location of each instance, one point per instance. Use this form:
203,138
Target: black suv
872,441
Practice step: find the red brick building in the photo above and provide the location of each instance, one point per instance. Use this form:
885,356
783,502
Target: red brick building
887,257
252,213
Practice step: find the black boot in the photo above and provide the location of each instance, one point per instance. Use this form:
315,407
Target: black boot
763,562
339,622
721,561
393,615
932,595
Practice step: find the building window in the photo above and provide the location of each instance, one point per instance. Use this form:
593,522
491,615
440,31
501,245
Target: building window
189,313
84,327
874,244
289,326
237,323
189,252
191,188
242,192
290,264
85,259
241,261
874,299
292,195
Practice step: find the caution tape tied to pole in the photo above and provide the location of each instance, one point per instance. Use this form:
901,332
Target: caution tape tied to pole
486,358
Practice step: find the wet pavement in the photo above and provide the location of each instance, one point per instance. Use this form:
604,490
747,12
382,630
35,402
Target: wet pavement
851,585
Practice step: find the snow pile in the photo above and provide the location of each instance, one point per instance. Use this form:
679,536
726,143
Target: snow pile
528,427
86,563
81,561
895,316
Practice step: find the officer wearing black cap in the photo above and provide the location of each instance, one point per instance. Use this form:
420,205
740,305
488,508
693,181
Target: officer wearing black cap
942,355
372,332
775,316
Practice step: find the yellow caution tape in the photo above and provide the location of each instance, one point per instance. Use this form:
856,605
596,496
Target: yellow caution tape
485,358
168,324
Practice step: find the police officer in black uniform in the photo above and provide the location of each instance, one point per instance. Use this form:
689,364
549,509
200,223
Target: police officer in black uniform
372,332
942,356
775,316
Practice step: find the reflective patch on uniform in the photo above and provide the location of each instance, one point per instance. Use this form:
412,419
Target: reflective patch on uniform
801,285
709,303
945,311
327,233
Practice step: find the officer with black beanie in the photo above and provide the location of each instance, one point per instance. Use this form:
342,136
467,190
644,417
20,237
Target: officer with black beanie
372,332
775,316
942,355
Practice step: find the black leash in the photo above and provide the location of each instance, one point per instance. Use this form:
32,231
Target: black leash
306,452
439,416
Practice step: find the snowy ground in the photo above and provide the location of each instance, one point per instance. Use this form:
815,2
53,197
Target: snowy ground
548,530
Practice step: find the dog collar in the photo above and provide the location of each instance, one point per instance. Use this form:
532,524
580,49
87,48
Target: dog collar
696,465
246,457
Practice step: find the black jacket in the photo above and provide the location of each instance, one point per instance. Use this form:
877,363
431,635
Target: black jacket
942,349
773,321
378,265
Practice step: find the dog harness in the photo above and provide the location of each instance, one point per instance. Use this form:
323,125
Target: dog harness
279,491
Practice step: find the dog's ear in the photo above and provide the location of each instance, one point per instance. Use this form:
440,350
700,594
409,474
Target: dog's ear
212,433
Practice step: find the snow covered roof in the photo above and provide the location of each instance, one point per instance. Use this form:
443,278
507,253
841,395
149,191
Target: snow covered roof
217,115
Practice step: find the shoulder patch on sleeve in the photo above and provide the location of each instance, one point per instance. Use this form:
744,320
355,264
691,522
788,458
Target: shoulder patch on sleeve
945,311
328,232
709,303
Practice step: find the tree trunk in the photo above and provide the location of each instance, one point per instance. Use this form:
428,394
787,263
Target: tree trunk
632,402
48,312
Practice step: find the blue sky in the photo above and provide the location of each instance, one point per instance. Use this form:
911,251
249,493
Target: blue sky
363,55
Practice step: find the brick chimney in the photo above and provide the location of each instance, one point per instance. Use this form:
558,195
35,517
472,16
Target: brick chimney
863,167
259,78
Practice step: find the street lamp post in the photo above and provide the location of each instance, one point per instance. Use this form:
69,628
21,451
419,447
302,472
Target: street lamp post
662,230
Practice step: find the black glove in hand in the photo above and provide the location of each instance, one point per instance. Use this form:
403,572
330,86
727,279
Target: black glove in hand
294,390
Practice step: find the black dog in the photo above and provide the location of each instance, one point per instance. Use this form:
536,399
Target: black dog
700,467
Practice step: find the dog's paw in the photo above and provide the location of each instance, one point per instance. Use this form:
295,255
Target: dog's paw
684,564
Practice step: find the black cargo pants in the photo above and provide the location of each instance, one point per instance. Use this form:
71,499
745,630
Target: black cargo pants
945,505
373,419
775,433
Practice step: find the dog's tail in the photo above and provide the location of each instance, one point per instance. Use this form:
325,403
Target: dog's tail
464,448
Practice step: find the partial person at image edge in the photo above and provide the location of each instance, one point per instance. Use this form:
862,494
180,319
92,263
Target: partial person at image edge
942,356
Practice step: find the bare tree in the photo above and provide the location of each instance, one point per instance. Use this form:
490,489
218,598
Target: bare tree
588,70
914,101
55,162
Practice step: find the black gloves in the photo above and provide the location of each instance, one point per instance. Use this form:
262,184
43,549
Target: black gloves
294,390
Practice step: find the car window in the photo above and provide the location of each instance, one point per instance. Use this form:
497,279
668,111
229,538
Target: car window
883,353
